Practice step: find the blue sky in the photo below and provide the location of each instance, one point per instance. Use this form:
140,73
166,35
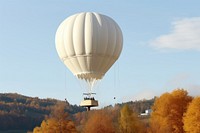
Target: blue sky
161,49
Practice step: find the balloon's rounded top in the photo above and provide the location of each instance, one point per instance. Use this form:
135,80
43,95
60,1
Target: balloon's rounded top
89,43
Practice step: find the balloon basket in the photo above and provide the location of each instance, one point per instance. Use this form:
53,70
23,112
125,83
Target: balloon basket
89,102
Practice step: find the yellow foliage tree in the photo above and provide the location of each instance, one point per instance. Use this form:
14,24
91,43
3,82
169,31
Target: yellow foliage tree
37,130
99,122
58,122
168,112
192,117
129,122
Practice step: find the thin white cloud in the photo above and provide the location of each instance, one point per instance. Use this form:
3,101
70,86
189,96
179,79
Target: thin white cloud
194,90
145,94
185,35
180,80
184,81
141,95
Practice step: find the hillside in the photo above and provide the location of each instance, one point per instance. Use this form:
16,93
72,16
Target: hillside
18,112
138,106
141,105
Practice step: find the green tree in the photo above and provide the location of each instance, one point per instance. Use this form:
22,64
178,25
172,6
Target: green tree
168,112
129,122
192,117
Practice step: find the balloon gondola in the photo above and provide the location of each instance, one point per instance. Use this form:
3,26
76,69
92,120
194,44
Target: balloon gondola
89,101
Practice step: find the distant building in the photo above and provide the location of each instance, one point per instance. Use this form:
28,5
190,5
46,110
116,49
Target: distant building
147,112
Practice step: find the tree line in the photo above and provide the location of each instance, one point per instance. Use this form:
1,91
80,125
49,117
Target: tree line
172,112
175,112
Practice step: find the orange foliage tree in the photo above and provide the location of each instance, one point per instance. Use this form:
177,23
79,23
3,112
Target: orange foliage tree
168,112
129,122
57,122
192,117
99,122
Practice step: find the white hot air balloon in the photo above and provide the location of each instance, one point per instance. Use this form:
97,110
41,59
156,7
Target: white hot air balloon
88,44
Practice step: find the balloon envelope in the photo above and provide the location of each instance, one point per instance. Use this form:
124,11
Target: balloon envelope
89,43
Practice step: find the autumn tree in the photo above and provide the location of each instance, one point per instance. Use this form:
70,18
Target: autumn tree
168,111
192,117
99,122
57,122
80,119
129,122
